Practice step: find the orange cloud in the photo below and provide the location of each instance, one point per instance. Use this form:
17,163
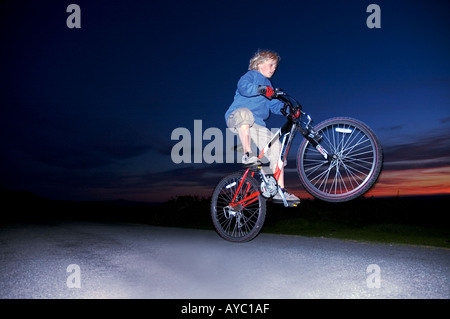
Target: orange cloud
413,182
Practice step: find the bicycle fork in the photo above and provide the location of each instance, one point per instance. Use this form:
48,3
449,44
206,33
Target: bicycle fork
314,139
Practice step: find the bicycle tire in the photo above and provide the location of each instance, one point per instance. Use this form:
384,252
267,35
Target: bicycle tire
355,168
240,224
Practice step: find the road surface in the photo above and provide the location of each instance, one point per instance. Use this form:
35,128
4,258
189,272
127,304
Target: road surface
113,260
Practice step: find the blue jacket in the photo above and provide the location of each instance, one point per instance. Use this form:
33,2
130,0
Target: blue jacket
247,96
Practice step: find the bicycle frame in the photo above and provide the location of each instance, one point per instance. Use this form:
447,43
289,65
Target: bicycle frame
287,133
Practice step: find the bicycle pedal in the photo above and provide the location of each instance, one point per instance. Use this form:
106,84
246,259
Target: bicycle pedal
290,204
256,164
295,204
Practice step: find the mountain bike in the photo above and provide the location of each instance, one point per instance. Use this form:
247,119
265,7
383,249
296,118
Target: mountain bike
338,160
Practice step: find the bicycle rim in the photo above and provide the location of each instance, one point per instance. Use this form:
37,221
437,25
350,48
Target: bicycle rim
355,168
242,222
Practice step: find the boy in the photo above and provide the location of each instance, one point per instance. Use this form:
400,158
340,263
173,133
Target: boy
252,106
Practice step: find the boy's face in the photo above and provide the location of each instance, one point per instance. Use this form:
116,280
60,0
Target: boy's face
267,68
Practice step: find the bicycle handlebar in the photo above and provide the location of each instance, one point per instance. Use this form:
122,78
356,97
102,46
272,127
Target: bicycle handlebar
294,106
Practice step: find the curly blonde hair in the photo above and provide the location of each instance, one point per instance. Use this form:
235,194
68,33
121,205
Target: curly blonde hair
261,56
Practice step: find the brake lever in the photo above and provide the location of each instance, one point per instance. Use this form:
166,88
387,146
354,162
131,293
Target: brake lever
279,92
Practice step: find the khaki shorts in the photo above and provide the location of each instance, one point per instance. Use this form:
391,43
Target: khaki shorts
260,135
239,117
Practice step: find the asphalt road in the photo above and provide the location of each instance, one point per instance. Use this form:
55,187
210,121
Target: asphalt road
104,260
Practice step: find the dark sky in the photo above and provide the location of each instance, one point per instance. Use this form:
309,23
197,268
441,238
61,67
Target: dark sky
87,114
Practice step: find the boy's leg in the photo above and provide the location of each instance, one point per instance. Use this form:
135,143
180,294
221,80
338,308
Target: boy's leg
240,121
261,136
244,135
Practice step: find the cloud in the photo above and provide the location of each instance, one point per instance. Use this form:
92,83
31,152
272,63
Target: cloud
427,152
392,128
445,120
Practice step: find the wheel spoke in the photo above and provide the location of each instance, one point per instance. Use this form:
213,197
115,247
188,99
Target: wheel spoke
353,161
238,220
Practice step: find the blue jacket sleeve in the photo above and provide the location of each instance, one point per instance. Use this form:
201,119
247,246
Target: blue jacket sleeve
276,106
247,86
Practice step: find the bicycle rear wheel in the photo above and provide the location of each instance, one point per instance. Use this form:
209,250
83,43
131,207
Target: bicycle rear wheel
353,169
242,222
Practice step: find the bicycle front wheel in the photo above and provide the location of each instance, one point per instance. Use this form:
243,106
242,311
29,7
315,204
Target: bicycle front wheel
356,160
238,222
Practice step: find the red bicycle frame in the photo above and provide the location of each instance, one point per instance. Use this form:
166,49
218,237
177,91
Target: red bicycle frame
247,200
288,132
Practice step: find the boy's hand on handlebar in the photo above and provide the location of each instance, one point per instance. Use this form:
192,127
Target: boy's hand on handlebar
267,91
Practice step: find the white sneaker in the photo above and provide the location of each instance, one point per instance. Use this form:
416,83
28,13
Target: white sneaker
249,159
289,198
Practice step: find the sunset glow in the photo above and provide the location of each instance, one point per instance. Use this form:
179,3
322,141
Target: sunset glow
410,182
413,182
